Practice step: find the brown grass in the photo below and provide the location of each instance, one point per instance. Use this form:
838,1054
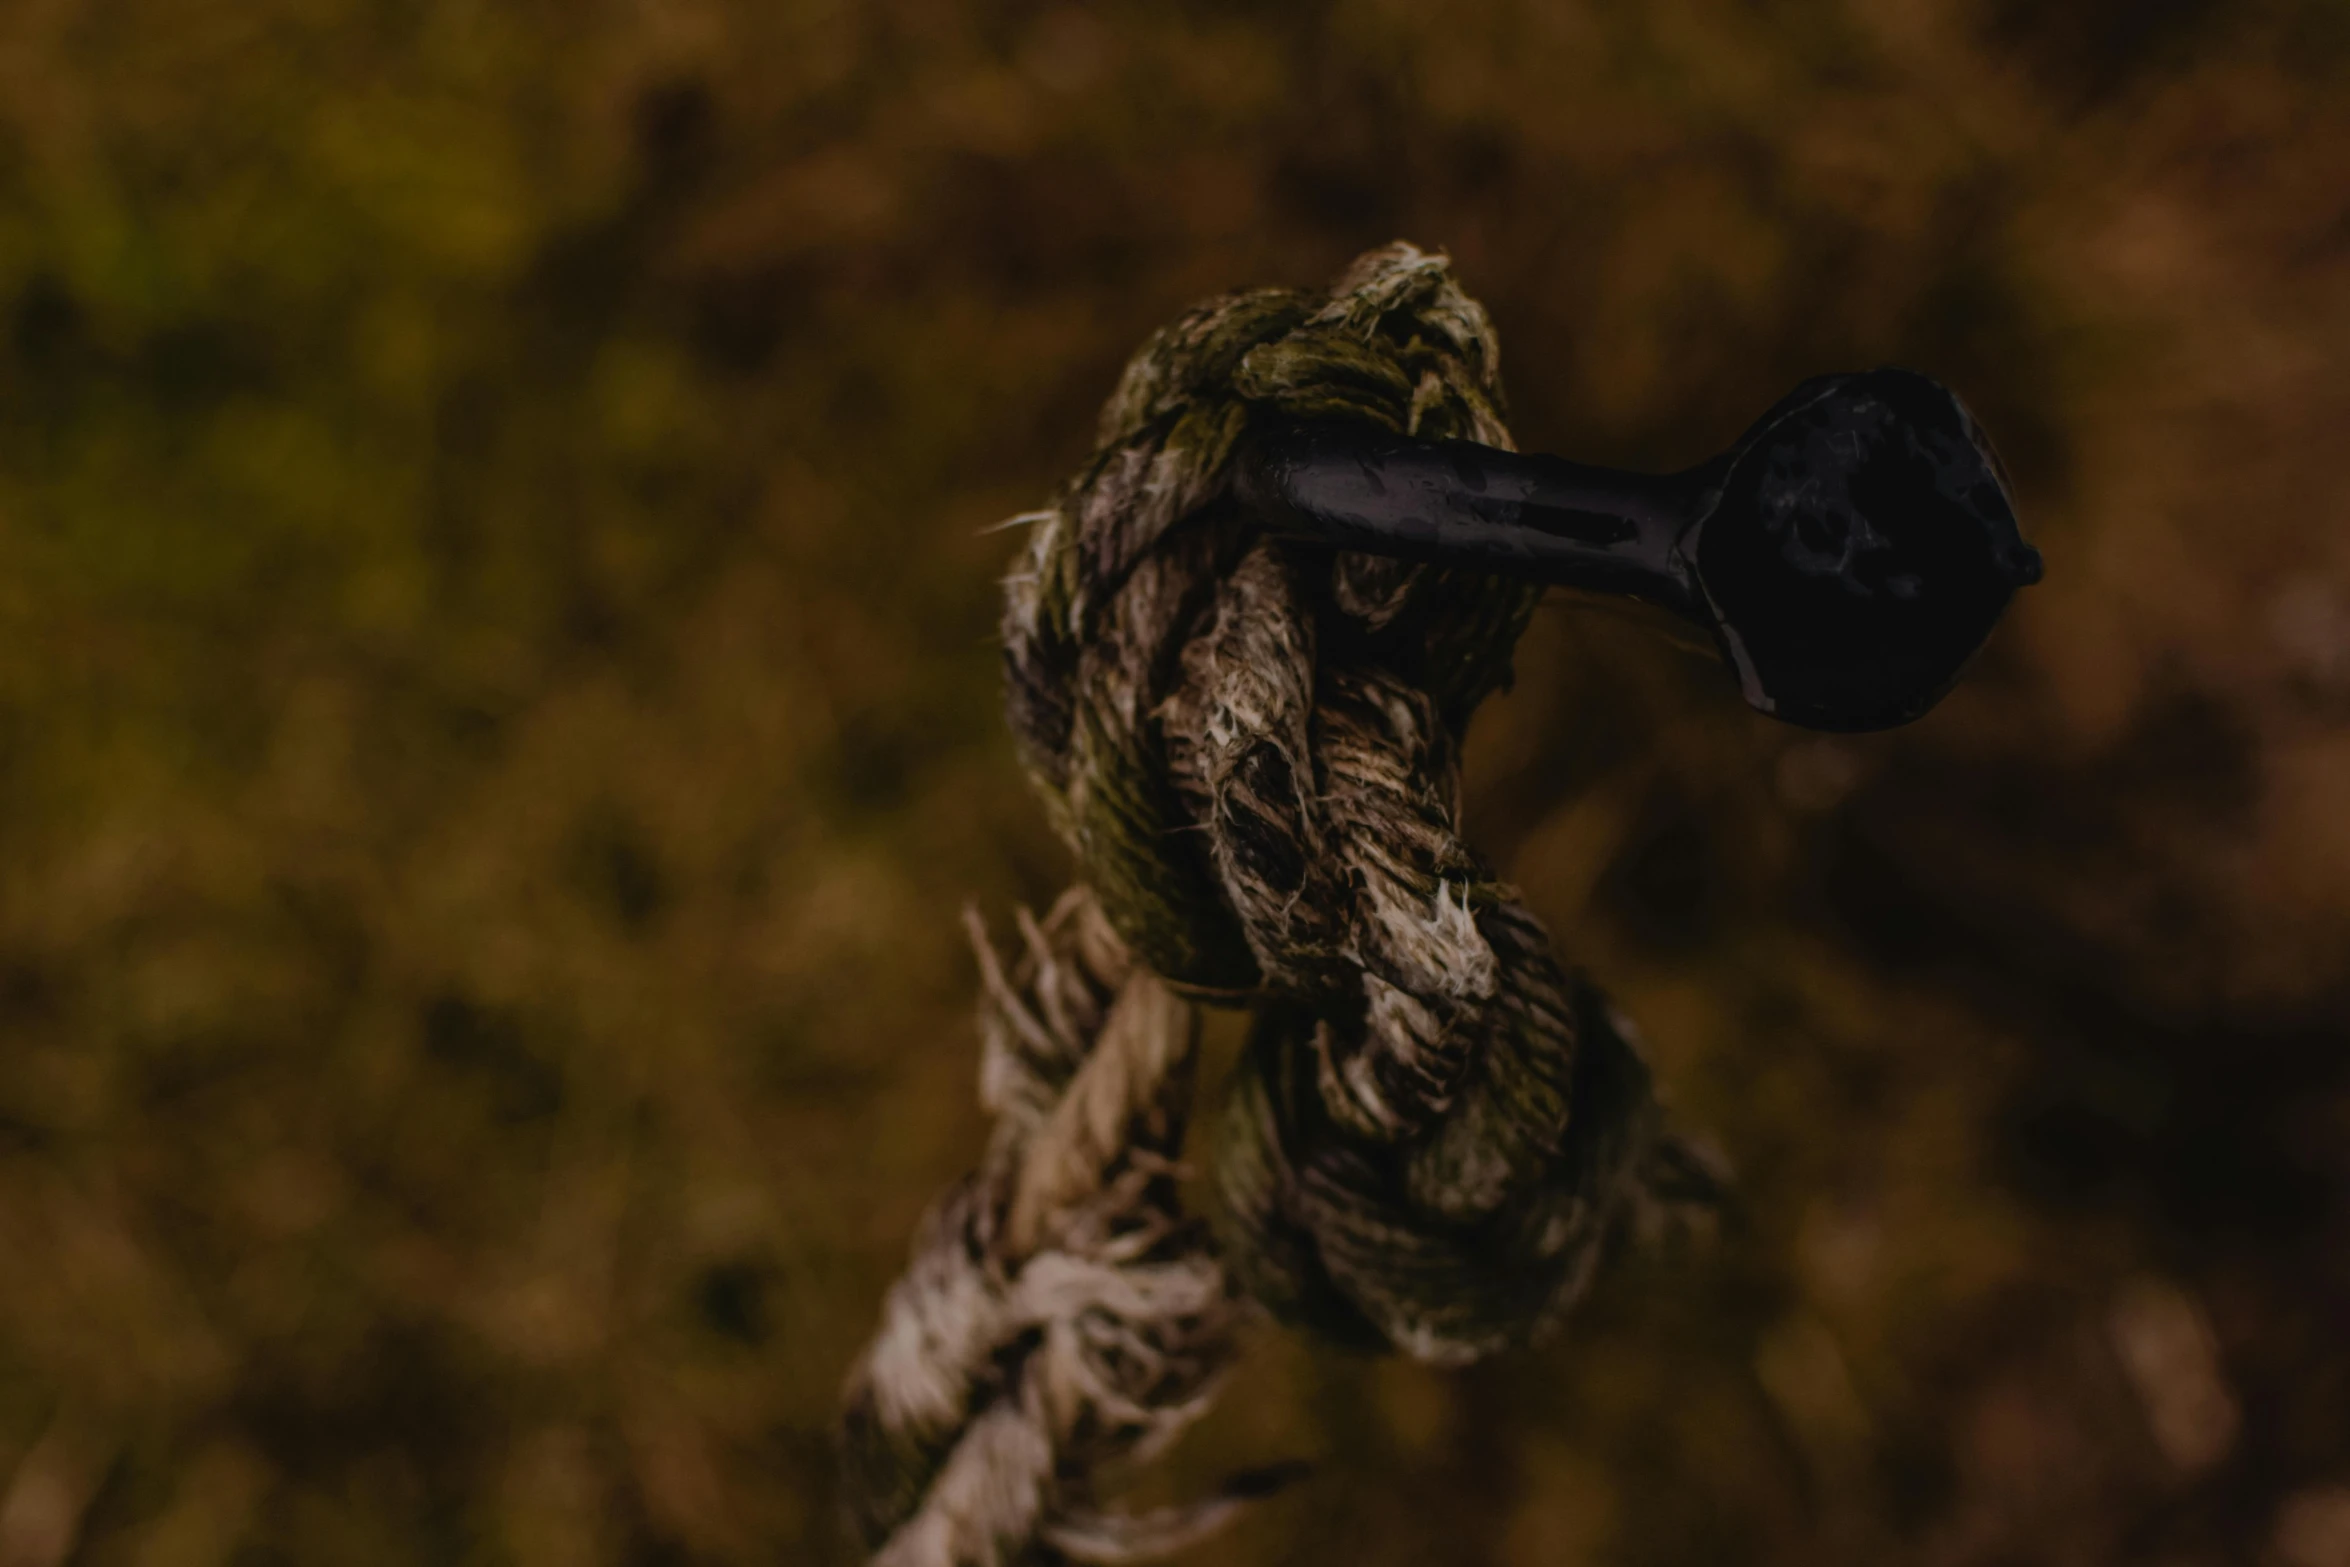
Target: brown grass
497,719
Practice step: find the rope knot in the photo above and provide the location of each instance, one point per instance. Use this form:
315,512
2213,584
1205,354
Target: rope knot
1253,748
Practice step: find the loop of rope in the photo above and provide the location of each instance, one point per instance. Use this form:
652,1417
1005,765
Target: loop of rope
1252,748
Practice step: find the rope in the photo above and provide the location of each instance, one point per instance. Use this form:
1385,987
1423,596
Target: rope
1059,1315
1253,750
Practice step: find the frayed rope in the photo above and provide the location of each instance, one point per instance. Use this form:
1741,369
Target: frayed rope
1437,1130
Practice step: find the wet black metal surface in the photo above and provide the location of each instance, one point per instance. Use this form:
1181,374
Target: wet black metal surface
1848,555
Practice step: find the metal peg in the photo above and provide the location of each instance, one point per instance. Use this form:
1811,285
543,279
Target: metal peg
1848,554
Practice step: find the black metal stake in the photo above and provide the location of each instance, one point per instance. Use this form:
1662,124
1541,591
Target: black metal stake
1848,555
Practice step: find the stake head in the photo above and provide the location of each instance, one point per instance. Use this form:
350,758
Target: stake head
1860,547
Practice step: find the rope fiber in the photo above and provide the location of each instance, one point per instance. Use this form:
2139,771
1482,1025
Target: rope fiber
1252,748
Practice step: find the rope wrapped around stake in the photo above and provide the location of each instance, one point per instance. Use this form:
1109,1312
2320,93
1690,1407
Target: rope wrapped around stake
1252,746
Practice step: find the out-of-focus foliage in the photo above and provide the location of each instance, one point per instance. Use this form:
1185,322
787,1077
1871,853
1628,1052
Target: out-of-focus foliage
497,716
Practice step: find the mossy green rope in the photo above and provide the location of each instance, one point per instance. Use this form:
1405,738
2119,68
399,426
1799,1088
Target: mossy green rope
1252,749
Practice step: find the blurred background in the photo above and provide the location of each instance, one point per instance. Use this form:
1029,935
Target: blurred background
498,718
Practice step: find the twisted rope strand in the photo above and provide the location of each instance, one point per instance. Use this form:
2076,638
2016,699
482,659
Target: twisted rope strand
1058,1315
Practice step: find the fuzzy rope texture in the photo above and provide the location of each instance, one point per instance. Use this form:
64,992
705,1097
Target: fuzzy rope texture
1060,1314
1252,747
